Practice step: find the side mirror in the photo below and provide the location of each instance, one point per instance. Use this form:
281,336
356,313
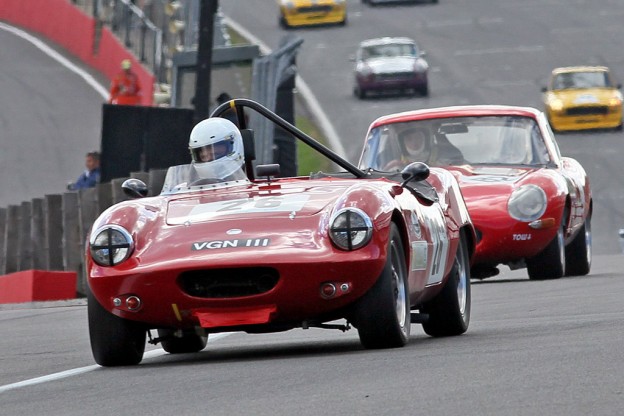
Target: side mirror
416,171
134,188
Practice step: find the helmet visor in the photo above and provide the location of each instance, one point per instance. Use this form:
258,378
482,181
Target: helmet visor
213,151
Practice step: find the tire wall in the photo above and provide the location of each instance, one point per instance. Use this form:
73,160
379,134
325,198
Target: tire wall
69,27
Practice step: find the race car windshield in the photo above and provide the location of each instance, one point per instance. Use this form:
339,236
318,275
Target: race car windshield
496,140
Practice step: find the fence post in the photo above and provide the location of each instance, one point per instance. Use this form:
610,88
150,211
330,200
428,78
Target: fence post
156,181
37,233
3,245
72,257
88,213
53,223
11,239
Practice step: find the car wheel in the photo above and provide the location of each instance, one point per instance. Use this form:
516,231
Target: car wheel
579,252
424,91
550,263
187,343
359,92
382,316
449,311
114,341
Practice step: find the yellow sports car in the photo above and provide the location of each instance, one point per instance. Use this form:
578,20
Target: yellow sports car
312,12
581,98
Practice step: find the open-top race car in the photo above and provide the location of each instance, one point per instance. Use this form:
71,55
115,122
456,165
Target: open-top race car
531,207
376,251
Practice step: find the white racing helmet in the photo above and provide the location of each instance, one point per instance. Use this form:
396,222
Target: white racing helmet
216,147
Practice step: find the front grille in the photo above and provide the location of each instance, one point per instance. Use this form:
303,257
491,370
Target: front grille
587,111
229,283
394,76
315,9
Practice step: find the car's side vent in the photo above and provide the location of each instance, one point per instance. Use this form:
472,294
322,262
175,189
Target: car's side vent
228,283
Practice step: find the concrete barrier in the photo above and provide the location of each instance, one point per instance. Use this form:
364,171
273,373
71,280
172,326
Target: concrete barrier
37,286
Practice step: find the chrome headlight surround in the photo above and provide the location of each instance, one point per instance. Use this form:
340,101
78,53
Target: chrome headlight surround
350,229
110,245
527,203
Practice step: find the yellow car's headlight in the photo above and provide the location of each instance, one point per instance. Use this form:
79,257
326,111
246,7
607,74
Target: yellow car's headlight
555,104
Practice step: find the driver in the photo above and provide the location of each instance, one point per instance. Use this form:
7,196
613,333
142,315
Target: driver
415,147
216,147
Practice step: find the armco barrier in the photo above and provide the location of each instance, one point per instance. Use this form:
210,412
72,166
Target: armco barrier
49,235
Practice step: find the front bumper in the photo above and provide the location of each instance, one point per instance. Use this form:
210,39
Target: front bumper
381,82
169,301
586,118
321,15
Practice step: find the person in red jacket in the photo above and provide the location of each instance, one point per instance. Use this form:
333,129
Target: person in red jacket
125,88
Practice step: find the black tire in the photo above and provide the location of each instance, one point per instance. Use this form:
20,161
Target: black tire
382,316
579,252
283,23
114,341
187,343
359,92
424,91
449,311
551,262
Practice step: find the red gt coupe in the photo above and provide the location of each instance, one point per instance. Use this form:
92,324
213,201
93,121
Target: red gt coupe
377,251
531,206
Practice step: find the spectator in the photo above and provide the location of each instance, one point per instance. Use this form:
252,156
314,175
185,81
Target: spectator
91,176
125,88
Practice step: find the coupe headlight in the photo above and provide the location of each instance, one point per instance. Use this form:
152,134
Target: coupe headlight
350,228
110,245
527,203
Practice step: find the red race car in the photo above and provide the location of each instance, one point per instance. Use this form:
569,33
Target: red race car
376,251
531,206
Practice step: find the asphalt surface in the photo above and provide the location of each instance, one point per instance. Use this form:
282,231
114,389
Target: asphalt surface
533,348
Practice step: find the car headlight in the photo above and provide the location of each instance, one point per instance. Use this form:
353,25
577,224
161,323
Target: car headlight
527,203
556,104
110,245
350,228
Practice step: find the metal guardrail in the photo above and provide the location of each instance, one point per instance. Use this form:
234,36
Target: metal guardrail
154,30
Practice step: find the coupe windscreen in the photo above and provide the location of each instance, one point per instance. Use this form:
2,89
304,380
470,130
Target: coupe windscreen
499,140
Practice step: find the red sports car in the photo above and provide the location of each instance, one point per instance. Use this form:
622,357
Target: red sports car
531,206
376,251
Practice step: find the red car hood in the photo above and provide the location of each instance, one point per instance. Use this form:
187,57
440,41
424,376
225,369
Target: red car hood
479,182
256,202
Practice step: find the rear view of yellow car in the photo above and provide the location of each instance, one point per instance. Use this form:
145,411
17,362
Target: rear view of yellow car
582,98
312,12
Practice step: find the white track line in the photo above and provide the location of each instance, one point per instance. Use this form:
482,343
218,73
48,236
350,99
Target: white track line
81,370
57,57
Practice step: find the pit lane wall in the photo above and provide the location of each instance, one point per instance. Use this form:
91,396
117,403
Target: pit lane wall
68,26
43,241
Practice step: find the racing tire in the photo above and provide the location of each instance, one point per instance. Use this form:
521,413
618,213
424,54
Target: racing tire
187,343
114,341
449,311
551,262
382,316
579,252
